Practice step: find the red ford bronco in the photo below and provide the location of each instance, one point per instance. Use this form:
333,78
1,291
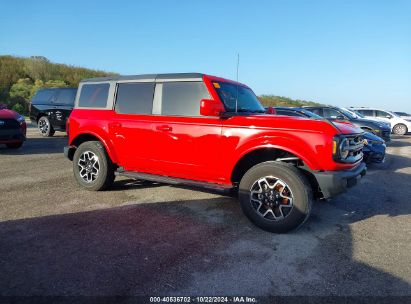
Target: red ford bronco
210,132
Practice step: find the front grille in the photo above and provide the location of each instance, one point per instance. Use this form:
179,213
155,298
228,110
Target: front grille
356,145
7,124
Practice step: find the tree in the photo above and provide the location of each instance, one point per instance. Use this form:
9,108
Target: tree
22,88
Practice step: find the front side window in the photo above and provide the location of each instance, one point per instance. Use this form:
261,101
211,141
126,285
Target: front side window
331,113
237,97
94,95
383,114
183,98
66,96
135,98
316,111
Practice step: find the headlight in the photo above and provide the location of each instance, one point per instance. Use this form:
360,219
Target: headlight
344,148
20,119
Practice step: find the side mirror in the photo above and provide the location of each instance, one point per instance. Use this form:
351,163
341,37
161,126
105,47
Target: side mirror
210,107
271,110
388,116
340,117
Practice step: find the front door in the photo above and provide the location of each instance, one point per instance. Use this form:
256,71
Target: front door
186,145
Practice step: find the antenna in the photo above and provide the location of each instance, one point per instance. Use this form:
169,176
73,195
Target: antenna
236,98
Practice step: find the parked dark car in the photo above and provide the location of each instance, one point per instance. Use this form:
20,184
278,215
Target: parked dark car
12,128
335,113
50,109
374,146
298,112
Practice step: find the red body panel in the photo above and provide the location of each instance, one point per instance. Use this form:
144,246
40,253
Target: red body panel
205,148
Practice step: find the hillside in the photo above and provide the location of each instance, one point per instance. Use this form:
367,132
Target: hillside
280,101
21,77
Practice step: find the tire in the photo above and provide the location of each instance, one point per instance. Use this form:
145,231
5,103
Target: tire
101,170
287,181
399,129
14,145
44,126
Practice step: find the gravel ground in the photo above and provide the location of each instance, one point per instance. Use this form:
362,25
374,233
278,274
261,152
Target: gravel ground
142,238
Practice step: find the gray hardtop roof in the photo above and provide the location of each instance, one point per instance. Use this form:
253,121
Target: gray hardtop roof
146,77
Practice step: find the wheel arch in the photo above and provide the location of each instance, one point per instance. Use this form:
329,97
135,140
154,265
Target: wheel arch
40,115
263,154
91,136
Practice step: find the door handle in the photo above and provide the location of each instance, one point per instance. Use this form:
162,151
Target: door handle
164,128
116,125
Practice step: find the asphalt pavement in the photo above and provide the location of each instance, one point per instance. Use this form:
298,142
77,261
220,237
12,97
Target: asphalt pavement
143,238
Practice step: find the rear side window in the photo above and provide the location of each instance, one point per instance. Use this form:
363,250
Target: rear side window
94,95
42,96
366,112
66,96
183,98
135,98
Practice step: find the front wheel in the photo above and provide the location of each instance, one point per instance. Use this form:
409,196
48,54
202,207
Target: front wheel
399,129
275,196
92,166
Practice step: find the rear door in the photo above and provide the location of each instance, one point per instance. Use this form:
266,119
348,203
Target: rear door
131,125
186,144
62,104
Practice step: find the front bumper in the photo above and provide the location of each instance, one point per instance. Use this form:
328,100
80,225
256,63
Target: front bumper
11,136
332,183
384,134
374,153
69,152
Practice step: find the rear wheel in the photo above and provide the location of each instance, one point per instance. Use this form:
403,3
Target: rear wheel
14,145
275,196
399,129
92,167
45,127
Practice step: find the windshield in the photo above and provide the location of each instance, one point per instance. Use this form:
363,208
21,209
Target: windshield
354,113
346,113
247,101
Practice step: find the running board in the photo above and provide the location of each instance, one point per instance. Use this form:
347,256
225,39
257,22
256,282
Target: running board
173,181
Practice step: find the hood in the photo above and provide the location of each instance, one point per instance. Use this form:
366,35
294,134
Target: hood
346,127
292,123
8,114
367,121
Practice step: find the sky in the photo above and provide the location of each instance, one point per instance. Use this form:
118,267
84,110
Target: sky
346,53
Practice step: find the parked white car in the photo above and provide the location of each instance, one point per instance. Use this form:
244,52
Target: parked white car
359,116
404,115
399,125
